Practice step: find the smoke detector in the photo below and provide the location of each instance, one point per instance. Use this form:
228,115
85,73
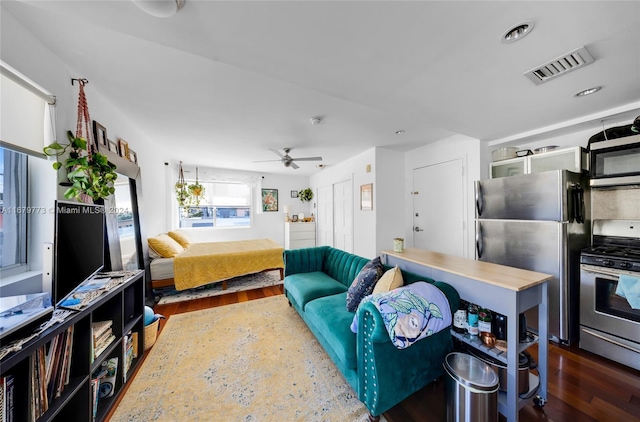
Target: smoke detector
316,120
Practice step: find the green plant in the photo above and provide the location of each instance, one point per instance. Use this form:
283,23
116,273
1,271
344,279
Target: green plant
305,195
88,175
196,191
182,194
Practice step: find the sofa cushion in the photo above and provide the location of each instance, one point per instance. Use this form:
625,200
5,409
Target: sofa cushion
305,287
391,279
364,283
165,246
331,320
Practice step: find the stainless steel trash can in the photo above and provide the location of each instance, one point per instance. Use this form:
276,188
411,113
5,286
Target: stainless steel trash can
471,389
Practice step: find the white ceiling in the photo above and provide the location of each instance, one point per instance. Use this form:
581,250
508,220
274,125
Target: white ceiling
231,79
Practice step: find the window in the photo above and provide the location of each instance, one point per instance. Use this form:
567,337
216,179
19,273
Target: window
13,215
223,204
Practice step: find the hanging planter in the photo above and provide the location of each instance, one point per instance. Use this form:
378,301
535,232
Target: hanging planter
90,175
305,195
182,194
196,190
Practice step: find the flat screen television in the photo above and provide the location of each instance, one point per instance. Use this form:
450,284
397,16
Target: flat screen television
79,245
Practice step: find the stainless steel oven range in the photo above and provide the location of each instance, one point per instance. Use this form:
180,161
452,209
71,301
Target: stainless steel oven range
609,307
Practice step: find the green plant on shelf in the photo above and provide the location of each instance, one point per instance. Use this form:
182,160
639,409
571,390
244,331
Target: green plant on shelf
305,195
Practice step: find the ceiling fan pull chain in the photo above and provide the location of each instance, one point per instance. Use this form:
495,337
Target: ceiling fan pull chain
83,114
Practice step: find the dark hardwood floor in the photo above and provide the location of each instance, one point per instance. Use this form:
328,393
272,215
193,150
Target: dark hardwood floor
581,386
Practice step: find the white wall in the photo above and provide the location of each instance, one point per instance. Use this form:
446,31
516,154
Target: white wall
454,147
389,202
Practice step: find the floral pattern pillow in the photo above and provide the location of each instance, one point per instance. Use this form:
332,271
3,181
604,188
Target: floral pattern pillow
364,283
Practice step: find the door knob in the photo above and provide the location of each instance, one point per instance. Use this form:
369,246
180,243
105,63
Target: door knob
417,229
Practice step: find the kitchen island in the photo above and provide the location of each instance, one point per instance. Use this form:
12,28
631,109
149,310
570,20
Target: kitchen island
506,290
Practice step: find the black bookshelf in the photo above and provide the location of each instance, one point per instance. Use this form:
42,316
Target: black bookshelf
124,306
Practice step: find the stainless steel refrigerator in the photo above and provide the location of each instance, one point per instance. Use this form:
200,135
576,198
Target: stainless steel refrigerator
538,222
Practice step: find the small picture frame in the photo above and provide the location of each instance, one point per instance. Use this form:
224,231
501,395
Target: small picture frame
366,197
294,218
99,134
123,148
133,157
269,200
294,193
113,146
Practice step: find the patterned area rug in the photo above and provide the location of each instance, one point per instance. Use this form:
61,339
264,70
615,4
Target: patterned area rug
237,284
251,361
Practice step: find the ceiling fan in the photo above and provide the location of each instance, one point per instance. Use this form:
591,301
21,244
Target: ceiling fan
287,160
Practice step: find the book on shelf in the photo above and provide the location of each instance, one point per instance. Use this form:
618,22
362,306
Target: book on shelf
100,348
7,388
99,327
103,337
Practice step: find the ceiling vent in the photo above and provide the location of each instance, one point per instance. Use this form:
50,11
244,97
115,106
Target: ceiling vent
566,63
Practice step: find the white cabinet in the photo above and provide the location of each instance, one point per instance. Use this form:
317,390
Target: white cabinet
510,167
573,159
299,235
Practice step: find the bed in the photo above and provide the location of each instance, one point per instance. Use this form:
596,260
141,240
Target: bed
204,263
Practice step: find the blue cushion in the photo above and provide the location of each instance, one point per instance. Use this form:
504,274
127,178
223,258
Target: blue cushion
331,320
364,283
305,287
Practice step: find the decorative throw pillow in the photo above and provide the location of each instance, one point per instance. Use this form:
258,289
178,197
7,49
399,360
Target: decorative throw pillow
364,282
392,279
181,239
165,246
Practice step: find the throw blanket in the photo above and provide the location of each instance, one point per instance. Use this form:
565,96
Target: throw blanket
410,313
203,263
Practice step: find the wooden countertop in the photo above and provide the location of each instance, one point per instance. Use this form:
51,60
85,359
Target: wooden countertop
499,275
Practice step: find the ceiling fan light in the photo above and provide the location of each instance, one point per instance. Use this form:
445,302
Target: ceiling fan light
160,8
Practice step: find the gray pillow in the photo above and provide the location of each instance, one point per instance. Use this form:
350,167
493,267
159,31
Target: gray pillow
364,283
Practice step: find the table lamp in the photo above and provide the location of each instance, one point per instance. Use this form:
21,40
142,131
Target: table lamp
287,211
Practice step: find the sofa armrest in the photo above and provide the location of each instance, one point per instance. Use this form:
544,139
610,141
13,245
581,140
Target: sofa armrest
387,375
304,260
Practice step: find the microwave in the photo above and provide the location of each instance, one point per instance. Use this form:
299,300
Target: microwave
615,162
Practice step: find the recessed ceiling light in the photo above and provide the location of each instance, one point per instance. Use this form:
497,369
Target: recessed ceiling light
399,132
160,8
587,91
517,32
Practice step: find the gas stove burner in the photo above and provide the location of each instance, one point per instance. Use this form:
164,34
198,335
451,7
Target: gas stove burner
612,250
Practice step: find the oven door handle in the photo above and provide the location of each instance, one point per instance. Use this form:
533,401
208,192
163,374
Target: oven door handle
609,275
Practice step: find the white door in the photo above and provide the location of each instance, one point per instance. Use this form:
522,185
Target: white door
438,207
324,216
343,216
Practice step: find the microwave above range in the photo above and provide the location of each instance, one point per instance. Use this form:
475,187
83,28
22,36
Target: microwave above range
615,162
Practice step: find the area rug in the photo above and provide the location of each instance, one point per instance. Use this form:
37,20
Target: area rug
251,361
236,284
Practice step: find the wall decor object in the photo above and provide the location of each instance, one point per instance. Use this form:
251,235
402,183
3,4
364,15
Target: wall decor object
113,146
269,199
366,197
133,157
123,148
99,134
294,193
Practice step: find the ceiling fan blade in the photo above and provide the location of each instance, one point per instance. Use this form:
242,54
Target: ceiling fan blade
308,159
278,153
294,166
265,161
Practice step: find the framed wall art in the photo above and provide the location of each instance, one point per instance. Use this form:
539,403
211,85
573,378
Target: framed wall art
113,146
123,148
366,197
269,200
133,157
294,193
100,134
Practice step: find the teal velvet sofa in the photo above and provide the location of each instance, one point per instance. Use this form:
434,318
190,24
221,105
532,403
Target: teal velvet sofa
316,283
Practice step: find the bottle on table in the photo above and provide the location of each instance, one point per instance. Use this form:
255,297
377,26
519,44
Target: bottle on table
484,320
460,318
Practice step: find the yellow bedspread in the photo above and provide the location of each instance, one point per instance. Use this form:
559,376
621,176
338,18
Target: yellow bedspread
203,263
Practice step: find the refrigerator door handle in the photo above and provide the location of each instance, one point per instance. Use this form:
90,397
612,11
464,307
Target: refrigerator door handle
479,245
478,198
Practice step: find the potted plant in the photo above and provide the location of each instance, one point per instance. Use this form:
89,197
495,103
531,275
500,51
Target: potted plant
196,191
89,176
305,195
